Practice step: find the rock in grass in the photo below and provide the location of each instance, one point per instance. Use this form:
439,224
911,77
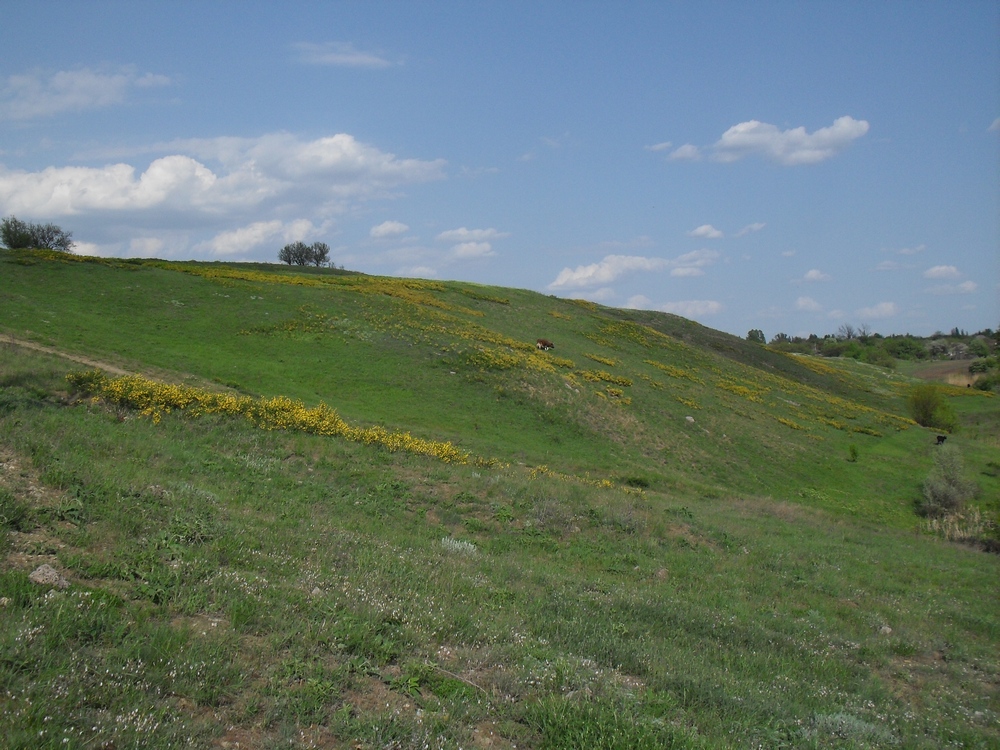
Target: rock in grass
46,575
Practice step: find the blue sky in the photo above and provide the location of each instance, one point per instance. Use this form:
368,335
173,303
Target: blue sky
788,166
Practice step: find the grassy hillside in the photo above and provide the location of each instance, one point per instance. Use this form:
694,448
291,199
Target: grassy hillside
651,536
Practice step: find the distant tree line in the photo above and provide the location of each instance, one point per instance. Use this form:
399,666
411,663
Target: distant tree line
862,344
21,235
301,254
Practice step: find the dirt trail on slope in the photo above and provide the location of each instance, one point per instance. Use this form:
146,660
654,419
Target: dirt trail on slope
8,339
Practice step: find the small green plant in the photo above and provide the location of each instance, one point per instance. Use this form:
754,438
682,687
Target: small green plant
14,514
946,490
852,453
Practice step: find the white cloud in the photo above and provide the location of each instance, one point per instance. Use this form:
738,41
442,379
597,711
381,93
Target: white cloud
388,229
319,175
807,304
816,275
966,287
146,247
995,126
942,272
243,239
881,310
706,231
789,253
888,265
686,271
615,266
340,54
787,147
606,271
471,243
659,146
687,152
466,250
638,302
696,258
28,95
693,308
471,235
911,250
755,227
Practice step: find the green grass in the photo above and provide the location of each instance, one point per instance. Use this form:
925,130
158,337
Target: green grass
230,584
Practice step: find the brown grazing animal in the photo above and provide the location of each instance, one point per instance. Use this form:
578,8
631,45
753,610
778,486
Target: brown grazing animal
544,345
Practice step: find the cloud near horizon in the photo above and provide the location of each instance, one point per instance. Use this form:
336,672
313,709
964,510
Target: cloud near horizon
321,176
26,96
879,311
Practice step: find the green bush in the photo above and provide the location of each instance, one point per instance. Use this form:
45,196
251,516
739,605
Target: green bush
946,490
929,409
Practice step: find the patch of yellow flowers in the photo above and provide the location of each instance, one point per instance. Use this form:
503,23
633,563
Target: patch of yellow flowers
154,399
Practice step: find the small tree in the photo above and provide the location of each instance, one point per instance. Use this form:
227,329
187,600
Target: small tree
320,254
756,335
301,254
19,235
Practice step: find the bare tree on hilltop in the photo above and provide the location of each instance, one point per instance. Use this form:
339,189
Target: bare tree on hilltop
301,254
23,235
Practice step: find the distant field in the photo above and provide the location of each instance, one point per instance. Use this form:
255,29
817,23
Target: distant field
655,535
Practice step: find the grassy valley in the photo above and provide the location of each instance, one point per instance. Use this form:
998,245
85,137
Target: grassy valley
334,510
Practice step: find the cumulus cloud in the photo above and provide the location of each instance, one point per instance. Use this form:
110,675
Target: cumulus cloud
693,308
638,302
467,250
26,96
659,146
613,267
245,238
686,271
942,272
388,229
881,310
911,250
340,54
706,231
888,265
995,126
687,152
966,287
816,275
471,243
247,173
146,247
695,259
605,271
787,147
755,227
807,304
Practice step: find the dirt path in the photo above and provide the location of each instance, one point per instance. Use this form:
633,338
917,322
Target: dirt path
7,339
